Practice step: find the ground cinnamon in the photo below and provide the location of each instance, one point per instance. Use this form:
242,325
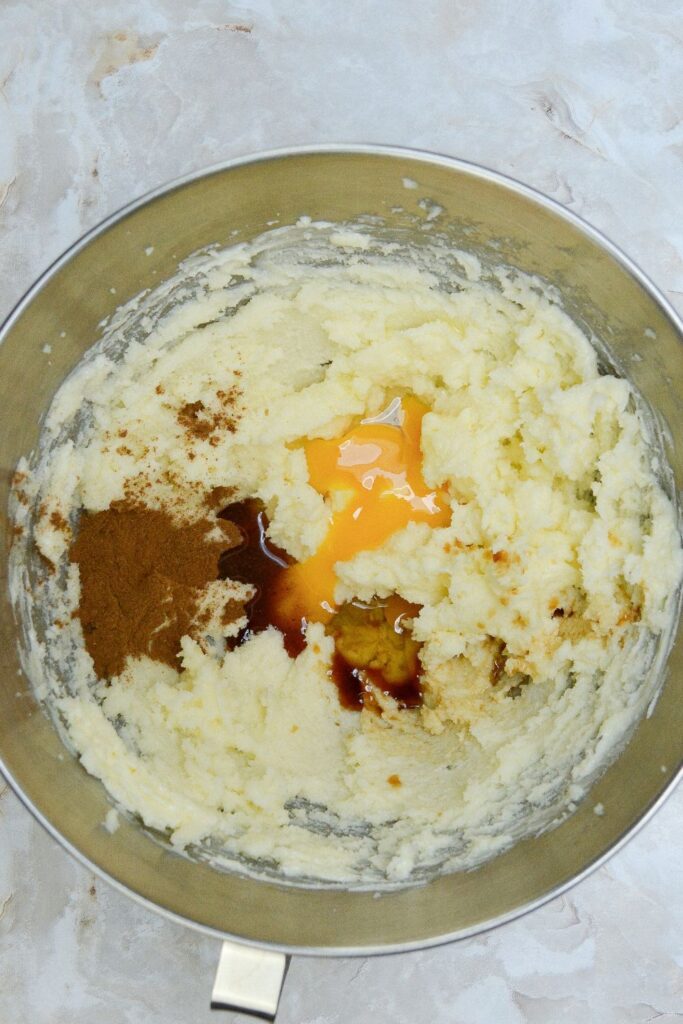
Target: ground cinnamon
192,417
142,576
204,424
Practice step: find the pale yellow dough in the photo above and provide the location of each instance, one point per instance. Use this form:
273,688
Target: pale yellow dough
550,468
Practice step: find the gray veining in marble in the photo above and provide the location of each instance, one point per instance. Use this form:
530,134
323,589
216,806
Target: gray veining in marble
101,102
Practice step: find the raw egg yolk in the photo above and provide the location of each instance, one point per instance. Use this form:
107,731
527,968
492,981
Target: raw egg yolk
377,468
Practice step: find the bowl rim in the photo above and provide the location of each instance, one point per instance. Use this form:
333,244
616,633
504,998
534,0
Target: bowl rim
475,170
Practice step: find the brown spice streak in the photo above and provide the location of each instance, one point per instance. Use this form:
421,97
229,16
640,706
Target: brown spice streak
498,664
218,497
59,522
200,422
189,417
142,576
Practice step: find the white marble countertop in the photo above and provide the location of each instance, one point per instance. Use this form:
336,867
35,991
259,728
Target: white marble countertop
101,102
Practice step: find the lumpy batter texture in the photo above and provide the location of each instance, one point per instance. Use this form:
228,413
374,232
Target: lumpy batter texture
540,595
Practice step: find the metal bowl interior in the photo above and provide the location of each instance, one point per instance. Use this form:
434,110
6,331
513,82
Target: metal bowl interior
483,212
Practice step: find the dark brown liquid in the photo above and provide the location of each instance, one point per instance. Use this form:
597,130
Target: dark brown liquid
261,564
355,686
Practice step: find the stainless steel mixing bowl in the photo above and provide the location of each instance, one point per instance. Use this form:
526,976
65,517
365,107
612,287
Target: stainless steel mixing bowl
481,211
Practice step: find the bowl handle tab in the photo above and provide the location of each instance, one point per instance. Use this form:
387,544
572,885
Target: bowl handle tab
249,979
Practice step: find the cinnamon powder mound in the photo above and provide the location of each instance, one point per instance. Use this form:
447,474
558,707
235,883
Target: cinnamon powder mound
142,576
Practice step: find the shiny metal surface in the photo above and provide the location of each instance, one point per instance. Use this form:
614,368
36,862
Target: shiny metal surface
249,980
484,212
